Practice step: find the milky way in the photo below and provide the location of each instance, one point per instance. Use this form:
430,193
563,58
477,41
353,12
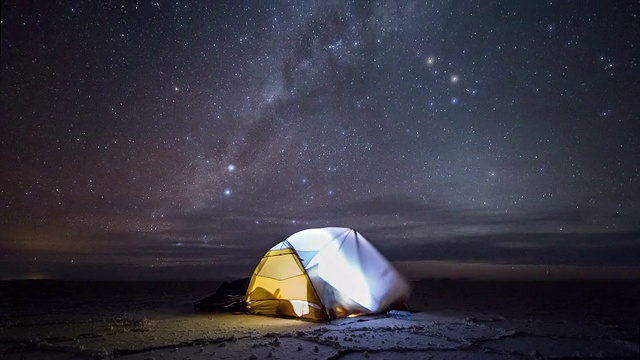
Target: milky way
155,138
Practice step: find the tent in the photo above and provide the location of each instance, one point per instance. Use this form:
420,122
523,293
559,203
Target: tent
323,274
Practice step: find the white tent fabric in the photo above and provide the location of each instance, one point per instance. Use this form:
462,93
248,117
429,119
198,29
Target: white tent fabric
348,273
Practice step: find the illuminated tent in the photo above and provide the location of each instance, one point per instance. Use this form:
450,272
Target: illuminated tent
323,274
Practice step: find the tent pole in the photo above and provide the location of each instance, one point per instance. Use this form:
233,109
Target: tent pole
306,274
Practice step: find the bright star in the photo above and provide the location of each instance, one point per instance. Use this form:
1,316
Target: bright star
227,192
430,61
231,167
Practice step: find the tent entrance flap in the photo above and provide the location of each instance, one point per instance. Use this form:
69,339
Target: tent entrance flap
280,286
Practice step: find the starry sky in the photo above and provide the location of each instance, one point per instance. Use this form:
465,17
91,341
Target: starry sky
182,139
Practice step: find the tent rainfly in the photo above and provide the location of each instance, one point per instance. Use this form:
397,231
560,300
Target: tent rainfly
323,274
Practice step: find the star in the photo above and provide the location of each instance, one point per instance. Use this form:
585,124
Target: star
430,61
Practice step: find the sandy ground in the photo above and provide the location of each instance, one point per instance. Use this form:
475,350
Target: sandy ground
456,320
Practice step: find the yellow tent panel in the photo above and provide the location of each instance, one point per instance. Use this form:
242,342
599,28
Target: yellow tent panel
280,286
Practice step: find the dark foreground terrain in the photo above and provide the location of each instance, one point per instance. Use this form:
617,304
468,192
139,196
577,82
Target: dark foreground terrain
456,319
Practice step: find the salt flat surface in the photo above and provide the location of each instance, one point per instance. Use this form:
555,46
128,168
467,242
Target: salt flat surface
456,320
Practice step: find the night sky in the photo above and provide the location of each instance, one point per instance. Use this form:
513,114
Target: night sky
182,139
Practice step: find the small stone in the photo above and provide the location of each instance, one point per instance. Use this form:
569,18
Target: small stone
535,354
316,348
223,344
253,357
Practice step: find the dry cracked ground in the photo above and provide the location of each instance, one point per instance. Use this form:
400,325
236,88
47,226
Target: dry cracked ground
164,327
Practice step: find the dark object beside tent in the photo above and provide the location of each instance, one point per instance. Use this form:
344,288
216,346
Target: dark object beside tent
230,297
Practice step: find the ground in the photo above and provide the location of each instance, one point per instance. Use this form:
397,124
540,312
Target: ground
452,320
